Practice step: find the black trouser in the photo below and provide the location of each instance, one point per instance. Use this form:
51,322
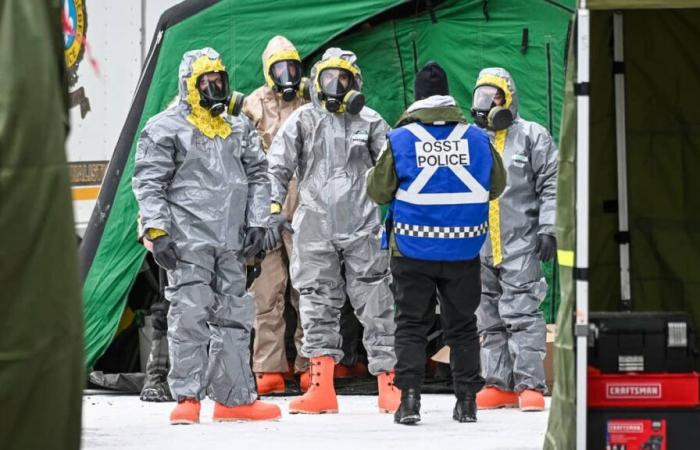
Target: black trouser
459,284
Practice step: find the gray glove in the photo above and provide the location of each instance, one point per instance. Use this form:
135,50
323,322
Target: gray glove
546,247
165,252
273,236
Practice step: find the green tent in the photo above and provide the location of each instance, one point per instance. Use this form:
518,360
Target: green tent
628,222
391,38
41,365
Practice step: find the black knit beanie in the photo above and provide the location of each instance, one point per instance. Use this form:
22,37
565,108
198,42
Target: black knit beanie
430,80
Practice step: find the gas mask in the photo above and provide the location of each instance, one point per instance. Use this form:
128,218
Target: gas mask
338,91
286,78
488,108
214,94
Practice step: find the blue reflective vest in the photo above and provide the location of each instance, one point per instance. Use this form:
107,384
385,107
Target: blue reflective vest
440,212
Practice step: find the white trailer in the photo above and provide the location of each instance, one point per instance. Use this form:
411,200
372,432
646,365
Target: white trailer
106,42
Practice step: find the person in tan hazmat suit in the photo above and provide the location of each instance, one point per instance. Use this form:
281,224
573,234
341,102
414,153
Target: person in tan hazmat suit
268,107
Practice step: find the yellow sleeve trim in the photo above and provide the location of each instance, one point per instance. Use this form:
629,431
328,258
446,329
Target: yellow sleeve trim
566,258
275,208
155,233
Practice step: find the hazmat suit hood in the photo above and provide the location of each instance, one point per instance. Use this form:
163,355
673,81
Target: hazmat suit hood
333,53
278,48
195,63
500,78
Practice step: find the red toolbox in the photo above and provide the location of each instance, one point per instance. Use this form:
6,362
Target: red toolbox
643,390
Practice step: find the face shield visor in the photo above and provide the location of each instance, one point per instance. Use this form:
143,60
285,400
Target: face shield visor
286,75
488,108
338,90
213,91
336,82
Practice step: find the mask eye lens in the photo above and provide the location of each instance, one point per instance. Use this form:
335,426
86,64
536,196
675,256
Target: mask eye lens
486,97
213,87
286,73
336,82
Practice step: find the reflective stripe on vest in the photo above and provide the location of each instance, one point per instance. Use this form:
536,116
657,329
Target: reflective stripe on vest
441,208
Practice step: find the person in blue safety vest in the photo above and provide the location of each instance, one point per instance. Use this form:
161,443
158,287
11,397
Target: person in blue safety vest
439,173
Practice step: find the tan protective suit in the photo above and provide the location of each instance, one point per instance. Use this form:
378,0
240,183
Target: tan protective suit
268,112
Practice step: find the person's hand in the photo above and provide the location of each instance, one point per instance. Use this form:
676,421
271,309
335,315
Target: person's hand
165,252
273,236
254,240
546,247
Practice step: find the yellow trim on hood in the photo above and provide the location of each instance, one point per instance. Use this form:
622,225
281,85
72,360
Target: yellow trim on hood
501,83
284,55
200,117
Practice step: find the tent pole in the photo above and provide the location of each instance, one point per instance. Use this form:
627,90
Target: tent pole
621,140
582,211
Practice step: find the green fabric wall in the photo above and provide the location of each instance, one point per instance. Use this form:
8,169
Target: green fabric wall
239,31
463,40
41,367
663,151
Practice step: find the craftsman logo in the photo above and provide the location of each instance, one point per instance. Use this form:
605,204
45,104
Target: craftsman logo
442,153
625,427
633,391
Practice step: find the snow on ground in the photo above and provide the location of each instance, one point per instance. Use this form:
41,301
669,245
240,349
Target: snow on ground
124,423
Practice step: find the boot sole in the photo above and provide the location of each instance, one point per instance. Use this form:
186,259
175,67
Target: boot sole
324,411
271,419
183,422
464,421
532,408
409,420
515,405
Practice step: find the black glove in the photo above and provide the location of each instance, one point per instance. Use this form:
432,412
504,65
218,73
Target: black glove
273,235
165,252
546,247
254,240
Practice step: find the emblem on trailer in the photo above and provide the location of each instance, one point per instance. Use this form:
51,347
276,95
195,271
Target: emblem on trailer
74,28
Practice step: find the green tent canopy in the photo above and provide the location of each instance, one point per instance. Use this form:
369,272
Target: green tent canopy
391,38
628,213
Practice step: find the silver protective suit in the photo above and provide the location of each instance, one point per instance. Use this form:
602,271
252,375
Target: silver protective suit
513,286
336,223
204,192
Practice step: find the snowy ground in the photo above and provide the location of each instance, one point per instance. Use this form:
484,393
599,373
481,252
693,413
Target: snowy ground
124,422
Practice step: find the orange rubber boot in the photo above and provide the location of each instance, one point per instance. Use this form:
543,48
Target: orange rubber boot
270,383
305,381
531,400
320,398
254,411
186,412
389,397
491,398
